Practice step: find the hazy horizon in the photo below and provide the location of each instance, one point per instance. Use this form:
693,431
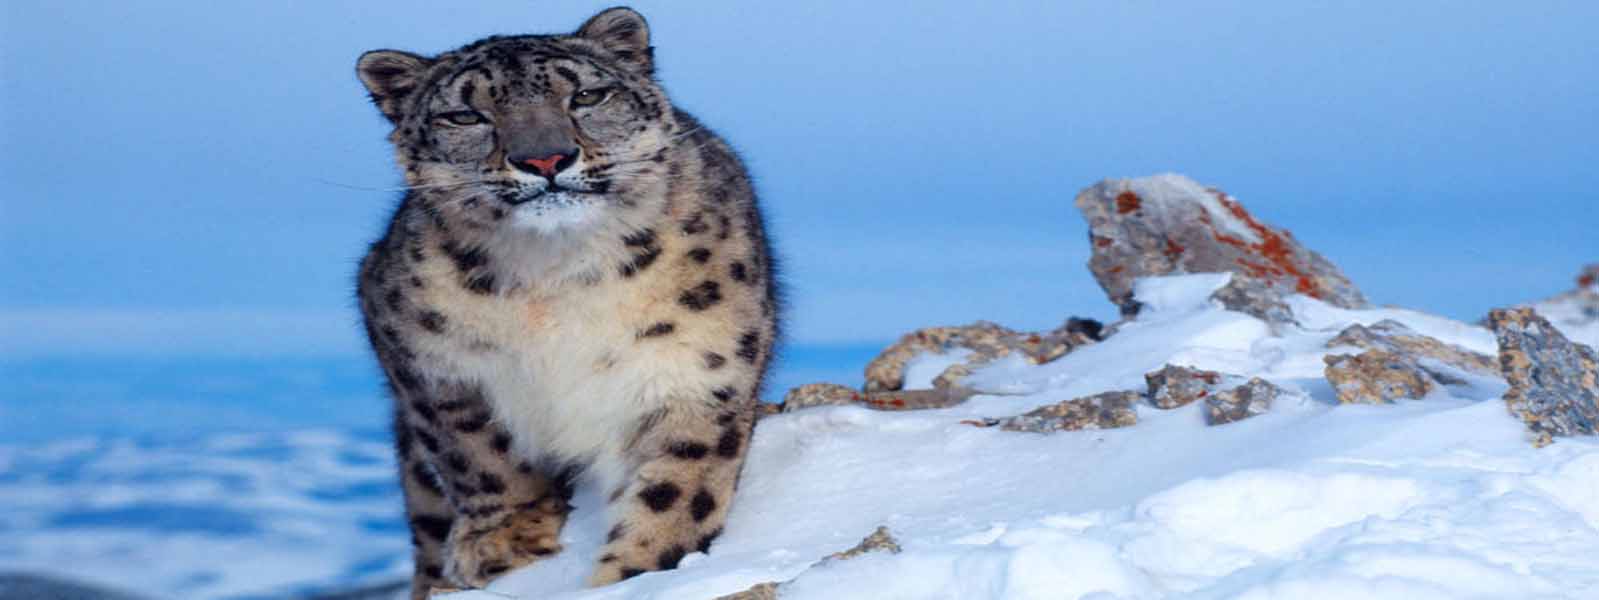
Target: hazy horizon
194,179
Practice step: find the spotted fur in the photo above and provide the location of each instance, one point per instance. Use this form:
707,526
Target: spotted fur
577,286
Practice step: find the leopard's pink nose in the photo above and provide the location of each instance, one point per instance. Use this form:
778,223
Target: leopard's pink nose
545,166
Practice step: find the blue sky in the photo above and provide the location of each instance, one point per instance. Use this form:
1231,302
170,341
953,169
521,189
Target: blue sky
182,177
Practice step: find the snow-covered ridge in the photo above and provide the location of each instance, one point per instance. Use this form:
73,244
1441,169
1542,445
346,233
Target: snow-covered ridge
1435,498
1431,489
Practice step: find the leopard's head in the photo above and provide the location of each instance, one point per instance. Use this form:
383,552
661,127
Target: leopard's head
535,132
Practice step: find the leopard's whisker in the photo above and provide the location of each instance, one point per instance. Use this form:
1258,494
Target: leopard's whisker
399,188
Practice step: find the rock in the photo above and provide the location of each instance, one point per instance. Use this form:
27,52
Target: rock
1242,402
1174,386
759,591
1169,224
1254,297
1376,377
830,394
1108,410
879,540
987,341
1554,383
916,399
819,394
1394,337
1228,398
1576,312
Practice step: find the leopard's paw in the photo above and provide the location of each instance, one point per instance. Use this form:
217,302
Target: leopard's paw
482,551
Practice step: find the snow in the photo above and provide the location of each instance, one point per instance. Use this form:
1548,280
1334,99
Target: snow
1438,498
1173,190
921,370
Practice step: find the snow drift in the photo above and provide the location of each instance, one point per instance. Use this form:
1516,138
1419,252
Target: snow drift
1441,497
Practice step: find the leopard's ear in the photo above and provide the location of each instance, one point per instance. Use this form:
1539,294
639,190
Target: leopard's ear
391,76
624,33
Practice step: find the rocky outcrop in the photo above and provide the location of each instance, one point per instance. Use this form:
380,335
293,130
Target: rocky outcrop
1169,224
1173,386
830,394
879,541
986,341
1376,377
1395,338
1251,399
819,394
1228,398
1254,297
1554,383
1108,410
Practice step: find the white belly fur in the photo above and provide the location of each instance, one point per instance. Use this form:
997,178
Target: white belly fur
566,376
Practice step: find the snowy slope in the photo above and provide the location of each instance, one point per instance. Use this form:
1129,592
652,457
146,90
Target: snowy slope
1438,498
1435,498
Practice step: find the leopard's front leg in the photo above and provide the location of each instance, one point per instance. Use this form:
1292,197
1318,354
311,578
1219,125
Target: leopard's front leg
502,512
686,463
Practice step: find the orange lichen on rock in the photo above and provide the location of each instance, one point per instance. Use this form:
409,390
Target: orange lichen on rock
1168,225
1173,249
1127,202
1272,246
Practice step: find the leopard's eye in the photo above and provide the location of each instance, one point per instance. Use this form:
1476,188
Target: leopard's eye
590,97
462,118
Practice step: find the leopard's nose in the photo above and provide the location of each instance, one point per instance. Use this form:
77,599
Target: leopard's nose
546,166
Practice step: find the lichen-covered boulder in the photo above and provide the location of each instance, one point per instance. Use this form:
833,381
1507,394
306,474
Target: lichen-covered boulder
1253,398
1554,383
1174,386
1254,297
1169,224
1376,377
832,394
986,341
1107,410
1228,398
1394,337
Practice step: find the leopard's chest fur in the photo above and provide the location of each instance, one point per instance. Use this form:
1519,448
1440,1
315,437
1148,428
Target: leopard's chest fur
572,370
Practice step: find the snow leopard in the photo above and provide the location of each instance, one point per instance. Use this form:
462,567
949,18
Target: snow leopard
576,288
